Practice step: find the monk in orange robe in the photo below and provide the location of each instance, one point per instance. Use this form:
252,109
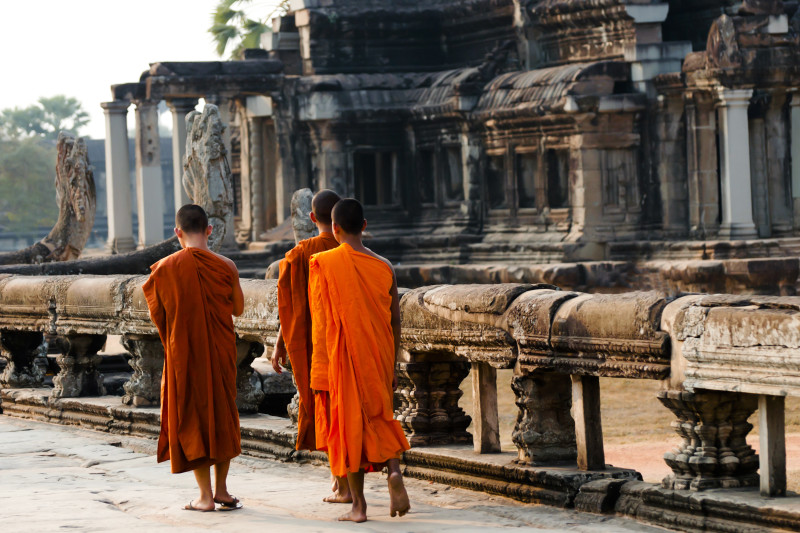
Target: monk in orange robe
192,296
355,312
294,336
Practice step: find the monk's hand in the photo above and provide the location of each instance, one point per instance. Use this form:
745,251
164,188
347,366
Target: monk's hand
278,358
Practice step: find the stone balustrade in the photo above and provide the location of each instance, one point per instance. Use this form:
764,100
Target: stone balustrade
719,357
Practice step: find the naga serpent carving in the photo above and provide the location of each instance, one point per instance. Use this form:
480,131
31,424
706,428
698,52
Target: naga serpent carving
77,201
207,180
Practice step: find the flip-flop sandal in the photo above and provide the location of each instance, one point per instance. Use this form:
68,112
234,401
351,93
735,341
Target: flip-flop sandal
232,505
190,507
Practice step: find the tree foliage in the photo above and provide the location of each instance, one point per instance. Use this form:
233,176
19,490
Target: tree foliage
234,28
27,171
46,118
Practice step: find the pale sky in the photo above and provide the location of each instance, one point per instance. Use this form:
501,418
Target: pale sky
81,48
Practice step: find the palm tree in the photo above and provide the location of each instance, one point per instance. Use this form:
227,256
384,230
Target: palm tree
232,26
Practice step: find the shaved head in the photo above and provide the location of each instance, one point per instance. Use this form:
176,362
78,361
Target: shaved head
322,205
348,214
191,219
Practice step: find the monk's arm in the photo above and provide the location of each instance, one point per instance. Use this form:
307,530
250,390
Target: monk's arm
238,295
395,326
279,353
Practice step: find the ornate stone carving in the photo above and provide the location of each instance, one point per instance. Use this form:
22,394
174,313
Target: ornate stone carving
714,452
75,195
545,431
301,222
249,393
427,402
207,176
78,362
147,361
21,349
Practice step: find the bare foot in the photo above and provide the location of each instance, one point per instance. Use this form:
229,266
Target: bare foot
397,495
354,516
200,505
337,497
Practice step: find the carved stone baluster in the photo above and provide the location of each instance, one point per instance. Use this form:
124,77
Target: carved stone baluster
428,395
78,362
459,420
249,392
412,392
20,349
714,452
147,361
545,431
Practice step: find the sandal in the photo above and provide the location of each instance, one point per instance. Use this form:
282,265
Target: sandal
232,505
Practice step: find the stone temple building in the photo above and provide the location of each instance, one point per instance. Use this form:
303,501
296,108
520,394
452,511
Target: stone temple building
524,131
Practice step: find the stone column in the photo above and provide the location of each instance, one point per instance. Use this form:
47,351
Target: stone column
255,151
149,182
78,362
701,152
20,349
180,107
776,135
118,181
737,205
545,430
795,151
147,361
484,400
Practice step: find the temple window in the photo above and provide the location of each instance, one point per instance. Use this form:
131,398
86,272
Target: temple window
451,174
496,181
375,179
427,174
526,179
557,178
619,178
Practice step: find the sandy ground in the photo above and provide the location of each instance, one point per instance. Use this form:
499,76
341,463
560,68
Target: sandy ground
56,478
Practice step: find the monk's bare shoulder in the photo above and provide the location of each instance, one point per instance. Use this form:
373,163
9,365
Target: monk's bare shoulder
381,258
228,262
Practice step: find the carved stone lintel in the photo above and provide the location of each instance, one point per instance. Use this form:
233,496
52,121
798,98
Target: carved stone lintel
78,362
545,431
714,452
249,393
427,396
147,361
20,349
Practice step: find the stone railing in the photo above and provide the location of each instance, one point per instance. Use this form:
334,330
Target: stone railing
720,358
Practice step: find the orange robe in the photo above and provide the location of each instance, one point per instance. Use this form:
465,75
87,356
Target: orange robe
295,319
350,295
190,297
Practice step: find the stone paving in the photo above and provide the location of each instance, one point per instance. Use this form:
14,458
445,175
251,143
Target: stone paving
57,478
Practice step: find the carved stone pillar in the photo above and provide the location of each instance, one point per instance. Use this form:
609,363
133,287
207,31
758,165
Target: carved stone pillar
545,431
701,153
737,206
427,397
714,452
78,362
149,181
20,349
118,181
249,393
179,107
147,361
256,149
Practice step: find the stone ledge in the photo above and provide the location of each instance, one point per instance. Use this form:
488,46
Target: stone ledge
729,510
